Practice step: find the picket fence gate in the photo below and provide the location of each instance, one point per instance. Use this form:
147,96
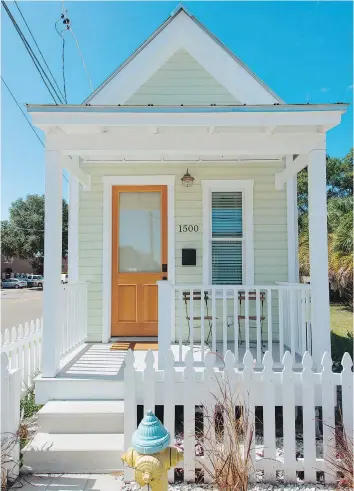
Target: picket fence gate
189,387
23,346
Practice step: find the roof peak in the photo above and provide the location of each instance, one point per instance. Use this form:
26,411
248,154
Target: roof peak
187,32
181,8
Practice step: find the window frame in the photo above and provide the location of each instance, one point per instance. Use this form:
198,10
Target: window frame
246,188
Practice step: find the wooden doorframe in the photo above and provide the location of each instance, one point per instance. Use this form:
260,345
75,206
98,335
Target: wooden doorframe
108,183
142,281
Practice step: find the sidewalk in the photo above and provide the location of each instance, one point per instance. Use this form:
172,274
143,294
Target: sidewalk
68,482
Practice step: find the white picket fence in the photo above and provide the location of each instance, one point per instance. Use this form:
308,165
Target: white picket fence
23,346
10,419
189,387
74,316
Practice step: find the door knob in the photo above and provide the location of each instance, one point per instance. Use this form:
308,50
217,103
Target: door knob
164,277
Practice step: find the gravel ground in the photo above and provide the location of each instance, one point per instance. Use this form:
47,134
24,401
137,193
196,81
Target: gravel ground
256,487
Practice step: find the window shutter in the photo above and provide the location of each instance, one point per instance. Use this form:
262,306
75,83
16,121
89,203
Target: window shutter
226,215
227,234
226,262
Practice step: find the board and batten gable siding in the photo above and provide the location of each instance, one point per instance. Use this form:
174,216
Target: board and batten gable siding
270,223
181,80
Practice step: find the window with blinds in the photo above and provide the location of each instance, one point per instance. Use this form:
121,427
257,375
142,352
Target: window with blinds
226,238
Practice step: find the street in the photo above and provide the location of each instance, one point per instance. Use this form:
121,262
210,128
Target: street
19,306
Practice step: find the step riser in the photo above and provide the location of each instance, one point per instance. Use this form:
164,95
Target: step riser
48,389
81,423
74,462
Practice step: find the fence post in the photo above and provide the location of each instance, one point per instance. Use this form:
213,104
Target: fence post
165,304
10,416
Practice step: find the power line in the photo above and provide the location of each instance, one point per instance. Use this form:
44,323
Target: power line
24,115
40,52
67,23
34,58
82,57
63,53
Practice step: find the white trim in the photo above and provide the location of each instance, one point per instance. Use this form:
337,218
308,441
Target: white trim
108,182
169,116
226,144
246,187
292,225
73,229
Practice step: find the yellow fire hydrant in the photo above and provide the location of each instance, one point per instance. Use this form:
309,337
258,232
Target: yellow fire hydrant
150,456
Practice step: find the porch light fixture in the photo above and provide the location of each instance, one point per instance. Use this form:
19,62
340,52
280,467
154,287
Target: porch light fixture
187,180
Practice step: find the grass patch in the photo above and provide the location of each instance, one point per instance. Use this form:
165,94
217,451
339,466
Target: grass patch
28,405
341,331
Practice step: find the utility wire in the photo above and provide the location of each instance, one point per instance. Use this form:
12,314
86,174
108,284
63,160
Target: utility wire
24,115
35,60
82,57
22,111
62,53
67,23
40,52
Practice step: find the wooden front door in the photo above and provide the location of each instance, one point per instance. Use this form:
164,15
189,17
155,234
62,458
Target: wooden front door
139,257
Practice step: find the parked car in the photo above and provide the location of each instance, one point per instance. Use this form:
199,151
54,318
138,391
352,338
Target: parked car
35,280
14,283
64,278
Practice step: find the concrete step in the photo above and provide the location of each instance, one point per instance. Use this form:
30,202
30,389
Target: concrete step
74,453
79,389
81,417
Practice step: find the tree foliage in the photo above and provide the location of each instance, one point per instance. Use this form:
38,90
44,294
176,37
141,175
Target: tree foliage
23,234
340,224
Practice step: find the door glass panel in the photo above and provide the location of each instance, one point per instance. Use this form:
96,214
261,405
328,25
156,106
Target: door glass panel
139,249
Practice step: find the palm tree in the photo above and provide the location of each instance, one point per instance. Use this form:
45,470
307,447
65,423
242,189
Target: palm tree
340,246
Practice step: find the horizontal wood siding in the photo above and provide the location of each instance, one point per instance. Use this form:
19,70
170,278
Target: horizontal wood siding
182,80
270,230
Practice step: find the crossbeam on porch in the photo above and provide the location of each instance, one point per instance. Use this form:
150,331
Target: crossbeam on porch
214,144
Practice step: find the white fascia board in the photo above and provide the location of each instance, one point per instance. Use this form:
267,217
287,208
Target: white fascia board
183,33
140,68
230,74
214,144
272,119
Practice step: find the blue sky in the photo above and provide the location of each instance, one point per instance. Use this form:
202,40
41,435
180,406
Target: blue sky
302,50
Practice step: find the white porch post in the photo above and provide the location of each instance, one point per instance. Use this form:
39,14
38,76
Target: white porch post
318,254
73,230
292,225
52,264
165,306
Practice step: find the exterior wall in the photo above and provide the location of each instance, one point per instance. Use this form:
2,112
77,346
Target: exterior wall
182,80
270,228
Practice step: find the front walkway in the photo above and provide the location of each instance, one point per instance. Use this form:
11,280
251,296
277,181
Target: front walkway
96,360
68,482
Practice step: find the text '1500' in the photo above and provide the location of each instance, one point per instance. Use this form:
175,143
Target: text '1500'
188,228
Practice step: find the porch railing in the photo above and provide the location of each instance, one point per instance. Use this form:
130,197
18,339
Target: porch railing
259,318
74,316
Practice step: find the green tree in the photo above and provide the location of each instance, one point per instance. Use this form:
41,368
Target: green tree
23,234
339,183
340,225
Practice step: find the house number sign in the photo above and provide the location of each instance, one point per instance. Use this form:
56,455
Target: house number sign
188,228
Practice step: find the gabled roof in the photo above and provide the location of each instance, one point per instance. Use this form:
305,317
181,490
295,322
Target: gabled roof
183,31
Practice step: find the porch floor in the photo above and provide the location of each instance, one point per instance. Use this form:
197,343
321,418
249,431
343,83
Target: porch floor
96,360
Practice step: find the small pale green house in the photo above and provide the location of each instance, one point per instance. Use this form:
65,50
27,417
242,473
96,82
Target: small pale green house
183,211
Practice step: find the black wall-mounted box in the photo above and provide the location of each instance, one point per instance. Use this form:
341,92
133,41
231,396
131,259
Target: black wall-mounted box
189,257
